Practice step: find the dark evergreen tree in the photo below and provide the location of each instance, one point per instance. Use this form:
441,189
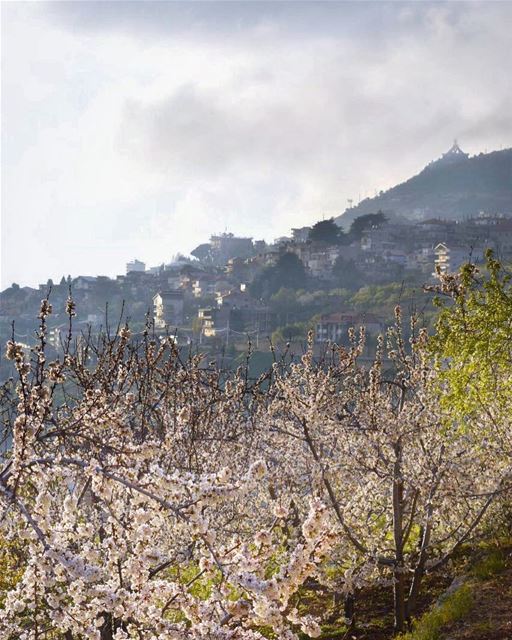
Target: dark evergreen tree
326,231
368,221
289,272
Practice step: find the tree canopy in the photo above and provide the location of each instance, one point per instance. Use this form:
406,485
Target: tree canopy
288,273
473,340
326,231
368,221
148,496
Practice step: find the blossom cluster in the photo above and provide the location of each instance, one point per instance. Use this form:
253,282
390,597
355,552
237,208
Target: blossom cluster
157,499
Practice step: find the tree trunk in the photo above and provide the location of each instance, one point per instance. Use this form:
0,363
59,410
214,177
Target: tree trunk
350,610
399,599
398,510
419,570
413,593
337,600
107,628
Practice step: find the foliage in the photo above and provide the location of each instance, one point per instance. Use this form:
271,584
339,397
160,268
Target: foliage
454,606
406,493
494,562
364,222
346,274
12,563
288,273
297,330
455,190
202,252
285,303
473,342
326,231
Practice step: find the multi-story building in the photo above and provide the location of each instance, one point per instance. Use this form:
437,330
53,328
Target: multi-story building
209,284
494,231
226,246
214,321
243,269
301,234
168,309
135,265
448,259
435,230
84,283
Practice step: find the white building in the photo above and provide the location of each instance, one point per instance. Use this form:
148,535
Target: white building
135,265
168,309
449,259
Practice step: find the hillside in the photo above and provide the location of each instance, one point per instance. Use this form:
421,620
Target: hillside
452,187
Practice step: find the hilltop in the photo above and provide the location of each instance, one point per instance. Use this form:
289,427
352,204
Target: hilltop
453,187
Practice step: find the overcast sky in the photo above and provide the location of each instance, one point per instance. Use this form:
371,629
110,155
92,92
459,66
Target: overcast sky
138,129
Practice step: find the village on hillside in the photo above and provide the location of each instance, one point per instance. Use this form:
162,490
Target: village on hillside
234,290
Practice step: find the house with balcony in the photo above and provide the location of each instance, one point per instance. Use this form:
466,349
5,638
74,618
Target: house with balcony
214,321
448,259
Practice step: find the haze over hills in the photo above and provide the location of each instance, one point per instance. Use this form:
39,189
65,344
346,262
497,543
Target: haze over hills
453,187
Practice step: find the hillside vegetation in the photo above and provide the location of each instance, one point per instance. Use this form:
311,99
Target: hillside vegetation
447,190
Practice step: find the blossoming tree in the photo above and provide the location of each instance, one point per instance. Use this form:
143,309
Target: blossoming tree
405,485
155,497
142,515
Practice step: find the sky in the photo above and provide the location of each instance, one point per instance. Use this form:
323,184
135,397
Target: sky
138,129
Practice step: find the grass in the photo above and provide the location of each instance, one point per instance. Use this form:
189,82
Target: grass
453,608
458,604
493,563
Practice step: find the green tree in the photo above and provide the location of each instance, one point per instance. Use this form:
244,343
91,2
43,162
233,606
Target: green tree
473,342
326,231
202,252
289,332
368,221
289,272
346,274
284,303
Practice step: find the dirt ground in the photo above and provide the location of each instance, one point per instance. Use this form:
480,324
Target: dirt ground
491,616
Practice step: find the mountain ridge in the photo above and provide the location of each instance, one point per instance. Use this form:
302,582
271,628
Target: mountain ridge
453,187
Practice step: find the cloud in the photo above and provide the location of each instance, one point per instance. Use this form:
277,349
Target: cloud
140,128
328,111
228,18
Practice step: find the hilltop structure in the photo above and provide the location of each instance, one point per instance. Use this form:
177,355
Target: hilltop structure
453,155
